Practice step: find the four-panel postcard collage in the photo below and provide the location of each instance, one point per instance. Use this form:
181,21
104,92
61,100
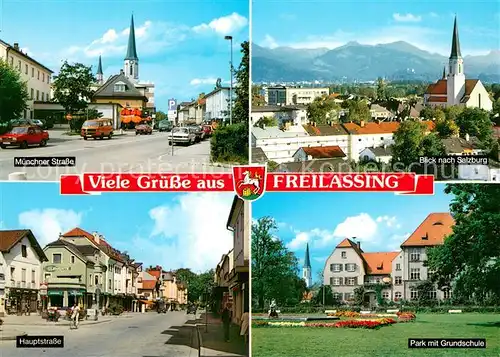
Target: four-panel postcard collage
249,178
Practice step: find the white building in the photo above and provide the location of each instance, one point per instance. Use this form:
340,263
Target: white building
21,258
217,104
381,154
35,74
454,89
281,95
318,153
297,115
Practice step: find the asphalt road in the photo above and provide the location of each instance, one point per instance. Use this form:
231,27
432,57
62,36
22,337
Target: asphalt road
123,153
142,335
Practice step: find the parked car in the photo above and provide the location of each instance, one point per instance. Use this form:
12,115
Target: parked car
192,309
208,130
182,135
97,128
165,125
39,122
24,136
198,131
143,129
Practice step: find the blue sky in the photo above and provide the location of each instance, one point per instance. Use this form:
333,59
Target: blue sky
180,44
380,221
425,24
171,230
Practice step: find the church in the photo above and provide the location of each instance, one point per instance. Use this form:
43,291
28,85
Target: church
454,89
125,89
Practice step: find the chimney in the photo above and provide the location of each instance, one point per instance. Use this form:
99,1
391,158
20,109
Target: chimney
16,46
121,71
362,124
467,137
97,237
357,242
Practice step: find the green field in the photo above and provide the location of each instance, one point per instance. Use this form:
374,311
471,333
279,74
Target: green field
388,341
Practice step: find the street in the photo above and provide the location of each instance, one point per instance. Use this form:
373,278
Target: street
133,335
123,153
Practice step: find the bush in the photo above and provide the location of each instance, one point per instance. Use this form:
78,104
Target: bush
230,144
443,309
116,309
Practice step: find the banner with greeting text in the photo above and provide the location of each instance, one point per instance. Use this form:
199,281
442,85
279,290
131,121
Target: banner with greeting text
248,182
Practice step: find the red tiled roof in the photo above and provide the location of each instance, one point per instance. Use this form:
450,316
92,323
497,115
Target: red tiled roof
372,128
78,232
435,99
148,284
379,263
9,239
432,231
440,87
103,245
324,152
470,84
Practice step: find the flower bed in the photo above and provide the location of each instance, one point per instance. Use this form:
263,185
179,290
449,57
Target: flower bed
345,314
359,323
406,316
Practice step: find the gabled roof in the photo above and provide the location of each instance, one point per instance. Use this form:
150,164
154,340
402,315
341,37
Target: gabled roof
347,243
9,239
372,128
107,90
25,55
131,49
324,130
148,284
432,231
324,152
381,151
379,263
438,88
78,232
104,246
259,156
73,248
459,145
434,99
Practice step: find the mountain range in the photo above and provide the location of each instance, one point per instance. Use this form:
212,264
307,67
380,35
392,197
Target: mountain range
356,62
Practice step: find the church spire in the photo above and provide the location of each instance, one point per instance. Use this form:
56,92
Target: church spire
455,44
131,49
99,66
307,261
444,72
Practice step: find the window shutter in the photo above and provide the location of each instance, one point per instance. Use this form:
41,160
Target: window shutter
340,281
331,281
347,267
340,265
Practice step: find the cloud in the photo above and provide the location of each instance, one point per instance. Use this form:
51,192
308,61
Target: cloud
202,81
362,226
224,25
389,221
406,17
190,233
48,223
269,42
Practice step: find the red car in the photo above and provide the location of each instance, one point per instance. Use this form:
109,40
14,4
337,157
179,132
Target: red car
143,129
207,129
24,136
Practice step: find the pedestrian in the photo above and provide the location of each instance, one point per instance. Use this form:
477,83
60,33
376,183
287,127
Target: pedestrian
245,321
226,321
75,315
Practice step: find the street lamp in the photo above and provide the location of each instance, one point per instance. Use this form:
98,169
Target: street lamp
230,38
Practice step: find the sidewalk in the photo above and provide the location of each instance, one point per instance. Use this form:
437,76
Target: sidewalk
212,338
36,320
7,334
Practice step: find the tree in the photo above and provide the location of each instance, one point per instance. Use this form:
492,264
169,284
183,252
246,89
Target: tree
324,296
198,285
359,296
381,89
13,93
468,261
272,165
267,121
358,111
432,113
476,122
72,87
274,268
321,109
446,127
452,112
411,142
160,116
241,102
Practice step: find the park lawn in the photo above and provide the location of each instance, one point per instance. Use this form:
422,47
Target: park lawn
388,341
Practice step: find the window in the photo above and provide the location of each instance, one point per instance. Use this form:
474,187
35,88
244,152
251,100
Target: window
23,275
26,69
2,277
90,279
398,266
37,94
413,294
12,273
96,280
19,65
33,274
415,255
72,259
414,274
397,296
343,255
351,281
12,61
398,280
350,267
32,72
48,79
337,296
43,77
336,281
131,68
43,96
119,87
47,277
24,251
348,296
109,284
38,77
336,267
447,294
32,94
57,258
385,294
433,294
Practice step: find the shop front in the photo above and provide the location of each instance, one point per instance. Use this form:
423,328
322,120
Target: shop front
20,301
64,298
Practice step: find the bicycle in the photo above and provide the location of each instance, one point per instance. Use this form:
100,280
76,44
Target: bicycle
73,324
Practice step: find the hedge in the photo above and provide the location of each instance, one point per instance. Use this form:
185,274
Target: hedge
229,144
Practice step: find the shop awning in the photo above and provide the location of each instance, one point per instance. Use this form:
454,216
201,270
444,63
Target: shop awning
146,302
55,293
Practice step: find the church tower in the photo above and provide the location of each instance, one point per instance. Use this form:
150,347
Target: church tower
131,64
100,75
456,76
306,270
